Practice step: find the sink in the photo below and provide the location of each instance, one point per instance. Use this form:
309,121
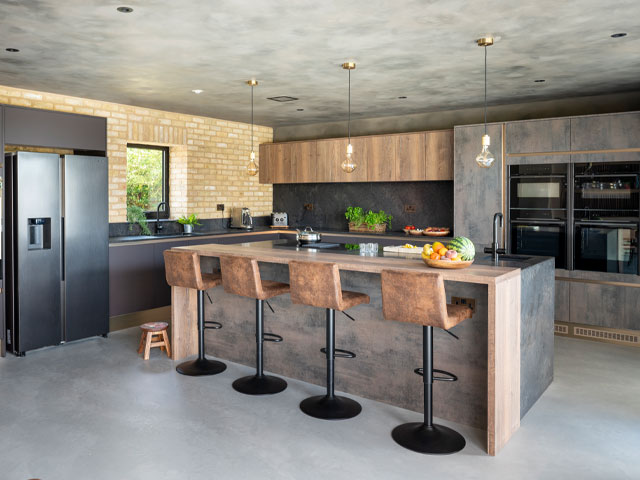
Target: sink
521,258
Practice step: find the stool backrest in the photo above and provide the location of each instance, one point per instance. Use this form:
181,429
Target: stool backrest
415,297
316,284
241,276
182,269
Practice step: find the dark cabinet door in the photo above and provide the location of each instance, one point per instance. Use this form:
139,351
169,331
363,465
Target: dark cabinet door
131,278
161,289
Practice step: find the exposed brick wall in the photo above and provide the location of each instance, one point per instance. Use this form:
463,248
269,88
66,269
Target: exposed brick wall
208,156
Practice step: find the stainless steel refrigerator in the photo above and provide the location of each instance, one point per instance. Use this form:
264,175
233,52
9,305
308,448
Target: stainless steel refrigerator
57,250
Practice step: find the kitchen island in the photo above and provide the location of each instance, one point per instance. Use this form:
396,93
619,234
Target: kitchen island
503,359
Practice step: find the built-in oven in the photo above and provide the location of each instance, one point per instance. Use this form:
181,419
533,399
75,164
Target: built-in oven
606,247
538,187
538,205
540,237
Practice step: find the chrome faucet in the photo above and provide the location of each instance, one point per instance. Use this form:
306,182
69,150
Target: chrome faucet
158,226
495,248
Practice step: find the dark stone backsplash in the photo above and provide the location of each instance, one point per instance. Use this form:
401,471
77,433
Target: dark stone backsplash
433,201
172,226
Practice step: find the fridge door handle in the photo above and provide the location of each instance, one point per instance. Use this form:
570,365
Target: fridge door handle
62,248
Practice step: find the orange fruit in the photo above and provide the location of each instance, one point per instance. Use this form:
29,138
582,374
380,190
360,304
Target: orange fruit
437,246
435,256
442,251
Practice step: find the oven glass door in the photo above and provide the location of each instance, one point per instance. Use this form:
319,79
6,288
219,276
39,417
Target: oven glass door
549,192
602,248
539,238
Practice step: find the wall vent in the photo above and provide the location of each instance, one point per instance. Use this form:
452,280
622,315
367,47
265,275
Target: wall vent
561,329
282,98
596,333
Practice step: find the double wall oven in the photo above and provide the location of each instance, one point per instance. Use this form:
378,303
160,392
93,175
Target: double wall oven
586,215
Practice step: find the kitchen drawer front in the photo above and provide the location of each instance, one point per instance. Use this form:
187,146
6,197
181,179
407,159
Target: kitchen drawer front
538,136
612,306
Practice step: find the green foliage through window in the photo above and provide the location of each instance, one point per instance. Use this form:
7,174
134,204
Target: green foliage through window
145,181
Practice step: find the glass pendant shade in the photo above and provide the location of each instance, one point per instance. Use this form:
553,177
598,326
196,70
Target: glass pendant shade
252,168
485,158
349,164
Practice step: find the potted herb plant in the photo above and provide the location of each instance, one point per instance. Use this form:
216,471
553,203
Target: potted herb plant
374,222
188,222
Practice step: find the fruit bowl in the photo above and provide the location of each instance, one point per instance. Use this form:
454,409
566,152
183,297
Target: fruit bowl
445,264
436,233
415,232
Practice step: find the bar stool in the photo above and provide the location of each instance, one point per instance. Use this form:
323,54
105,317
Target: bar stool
241,276
419,297
318,284
182,269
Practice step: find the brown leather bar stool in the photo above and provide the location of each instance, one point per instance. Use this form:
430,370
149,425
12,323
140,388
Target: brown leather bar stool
419,297
241,276
182,269
318,284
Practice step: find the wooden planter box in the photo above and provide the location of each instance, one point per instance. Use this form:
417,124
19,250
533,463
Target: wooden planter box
364,228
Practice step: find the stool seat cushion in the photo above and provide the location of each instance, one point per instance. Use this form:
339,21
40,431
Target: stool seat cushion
210,280
272,289
353,299
154,326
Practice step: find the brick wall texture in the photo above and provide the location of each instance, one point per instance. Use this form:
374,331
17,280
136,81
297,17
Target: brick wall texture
207,156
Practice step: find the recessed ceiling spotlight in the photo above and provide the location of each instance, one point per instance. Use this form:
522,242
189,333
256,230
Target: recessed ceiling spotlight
619,35
125,9
402,97
197,91
540,80
283,98
12,50
300,109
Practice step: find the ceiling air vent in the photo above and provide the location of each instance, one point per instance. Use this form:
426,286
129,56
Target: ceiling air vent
283,98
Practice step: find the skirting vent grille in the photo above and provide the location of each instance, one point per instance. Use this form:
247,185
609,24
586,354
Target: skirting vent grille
595,333
561,329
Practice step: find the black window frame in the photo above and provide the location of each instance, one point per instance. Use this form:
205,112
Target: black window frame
164,212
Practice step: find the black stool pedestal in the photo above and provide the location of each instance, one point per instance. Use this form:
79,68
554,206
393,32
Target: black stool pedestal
201,366
331,406
260,384
426,437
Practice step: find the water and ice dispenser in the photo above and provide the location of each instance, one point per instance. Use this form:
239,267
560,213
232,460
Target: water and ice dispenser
39,233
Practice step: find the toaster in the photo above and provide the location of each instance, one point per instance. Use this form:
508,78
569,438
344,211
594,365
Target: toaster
279,219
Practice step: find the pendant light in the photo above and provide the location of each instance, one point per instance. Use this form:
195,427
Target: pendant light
252,167
485,158
349,164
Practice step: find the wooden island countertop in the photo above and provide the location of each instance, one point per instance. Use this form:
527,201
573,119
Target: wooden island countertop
503,283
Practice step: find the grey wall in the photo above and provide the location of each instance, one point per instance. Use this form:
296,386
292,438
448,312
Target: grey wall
433,201
619,102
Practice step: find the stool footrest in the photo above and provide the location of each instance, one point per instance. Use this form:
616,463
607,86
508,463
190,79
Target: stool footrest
340,353
212,325
271,337
450,377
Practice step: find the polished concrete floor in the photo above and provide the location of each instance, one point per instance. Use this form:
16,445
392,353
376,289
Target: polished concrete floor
95,410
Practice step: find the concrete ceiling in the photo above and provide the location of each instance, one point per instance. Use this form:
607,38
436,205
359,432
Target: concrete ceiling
421,49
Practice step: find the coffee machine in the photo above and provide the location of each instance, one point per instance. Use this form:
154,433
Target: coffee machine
241,218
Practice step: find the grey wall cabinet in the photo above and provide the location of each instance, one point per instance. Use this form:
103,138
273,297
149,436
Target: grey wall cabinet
604,132
477,193
538,136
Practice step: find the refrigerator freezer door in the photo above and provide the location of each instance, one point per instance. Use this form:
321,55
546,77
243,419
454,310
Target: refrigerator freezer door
86,233
38,260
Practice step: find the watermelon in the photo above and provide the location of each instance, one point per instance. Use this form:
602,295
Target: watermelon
464,247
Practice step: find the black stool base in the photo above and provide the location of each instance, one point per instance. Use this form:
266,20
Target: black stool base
327,408
255,385
434,440
198,367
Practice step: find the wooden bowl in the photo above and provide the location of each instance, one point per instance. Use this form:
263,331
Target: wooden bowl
415,232
449,265
405,230
436,234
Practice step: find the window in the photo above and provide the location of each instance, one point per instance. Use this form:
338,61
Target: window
148,178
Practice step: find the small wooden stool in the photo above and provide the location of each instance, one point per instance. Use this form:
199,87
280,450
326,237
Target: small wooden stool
151,330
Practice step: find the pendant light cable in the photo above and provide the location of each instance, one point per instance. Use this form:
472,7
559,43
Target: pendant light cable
485,89
349,117
252,115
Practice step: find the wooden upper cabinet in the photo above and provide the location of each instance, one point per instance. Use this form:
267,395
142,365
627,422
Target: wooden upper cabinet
439,155
538,136
605,132
380,153
265,168
410,157
275,163
304,164
331,153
